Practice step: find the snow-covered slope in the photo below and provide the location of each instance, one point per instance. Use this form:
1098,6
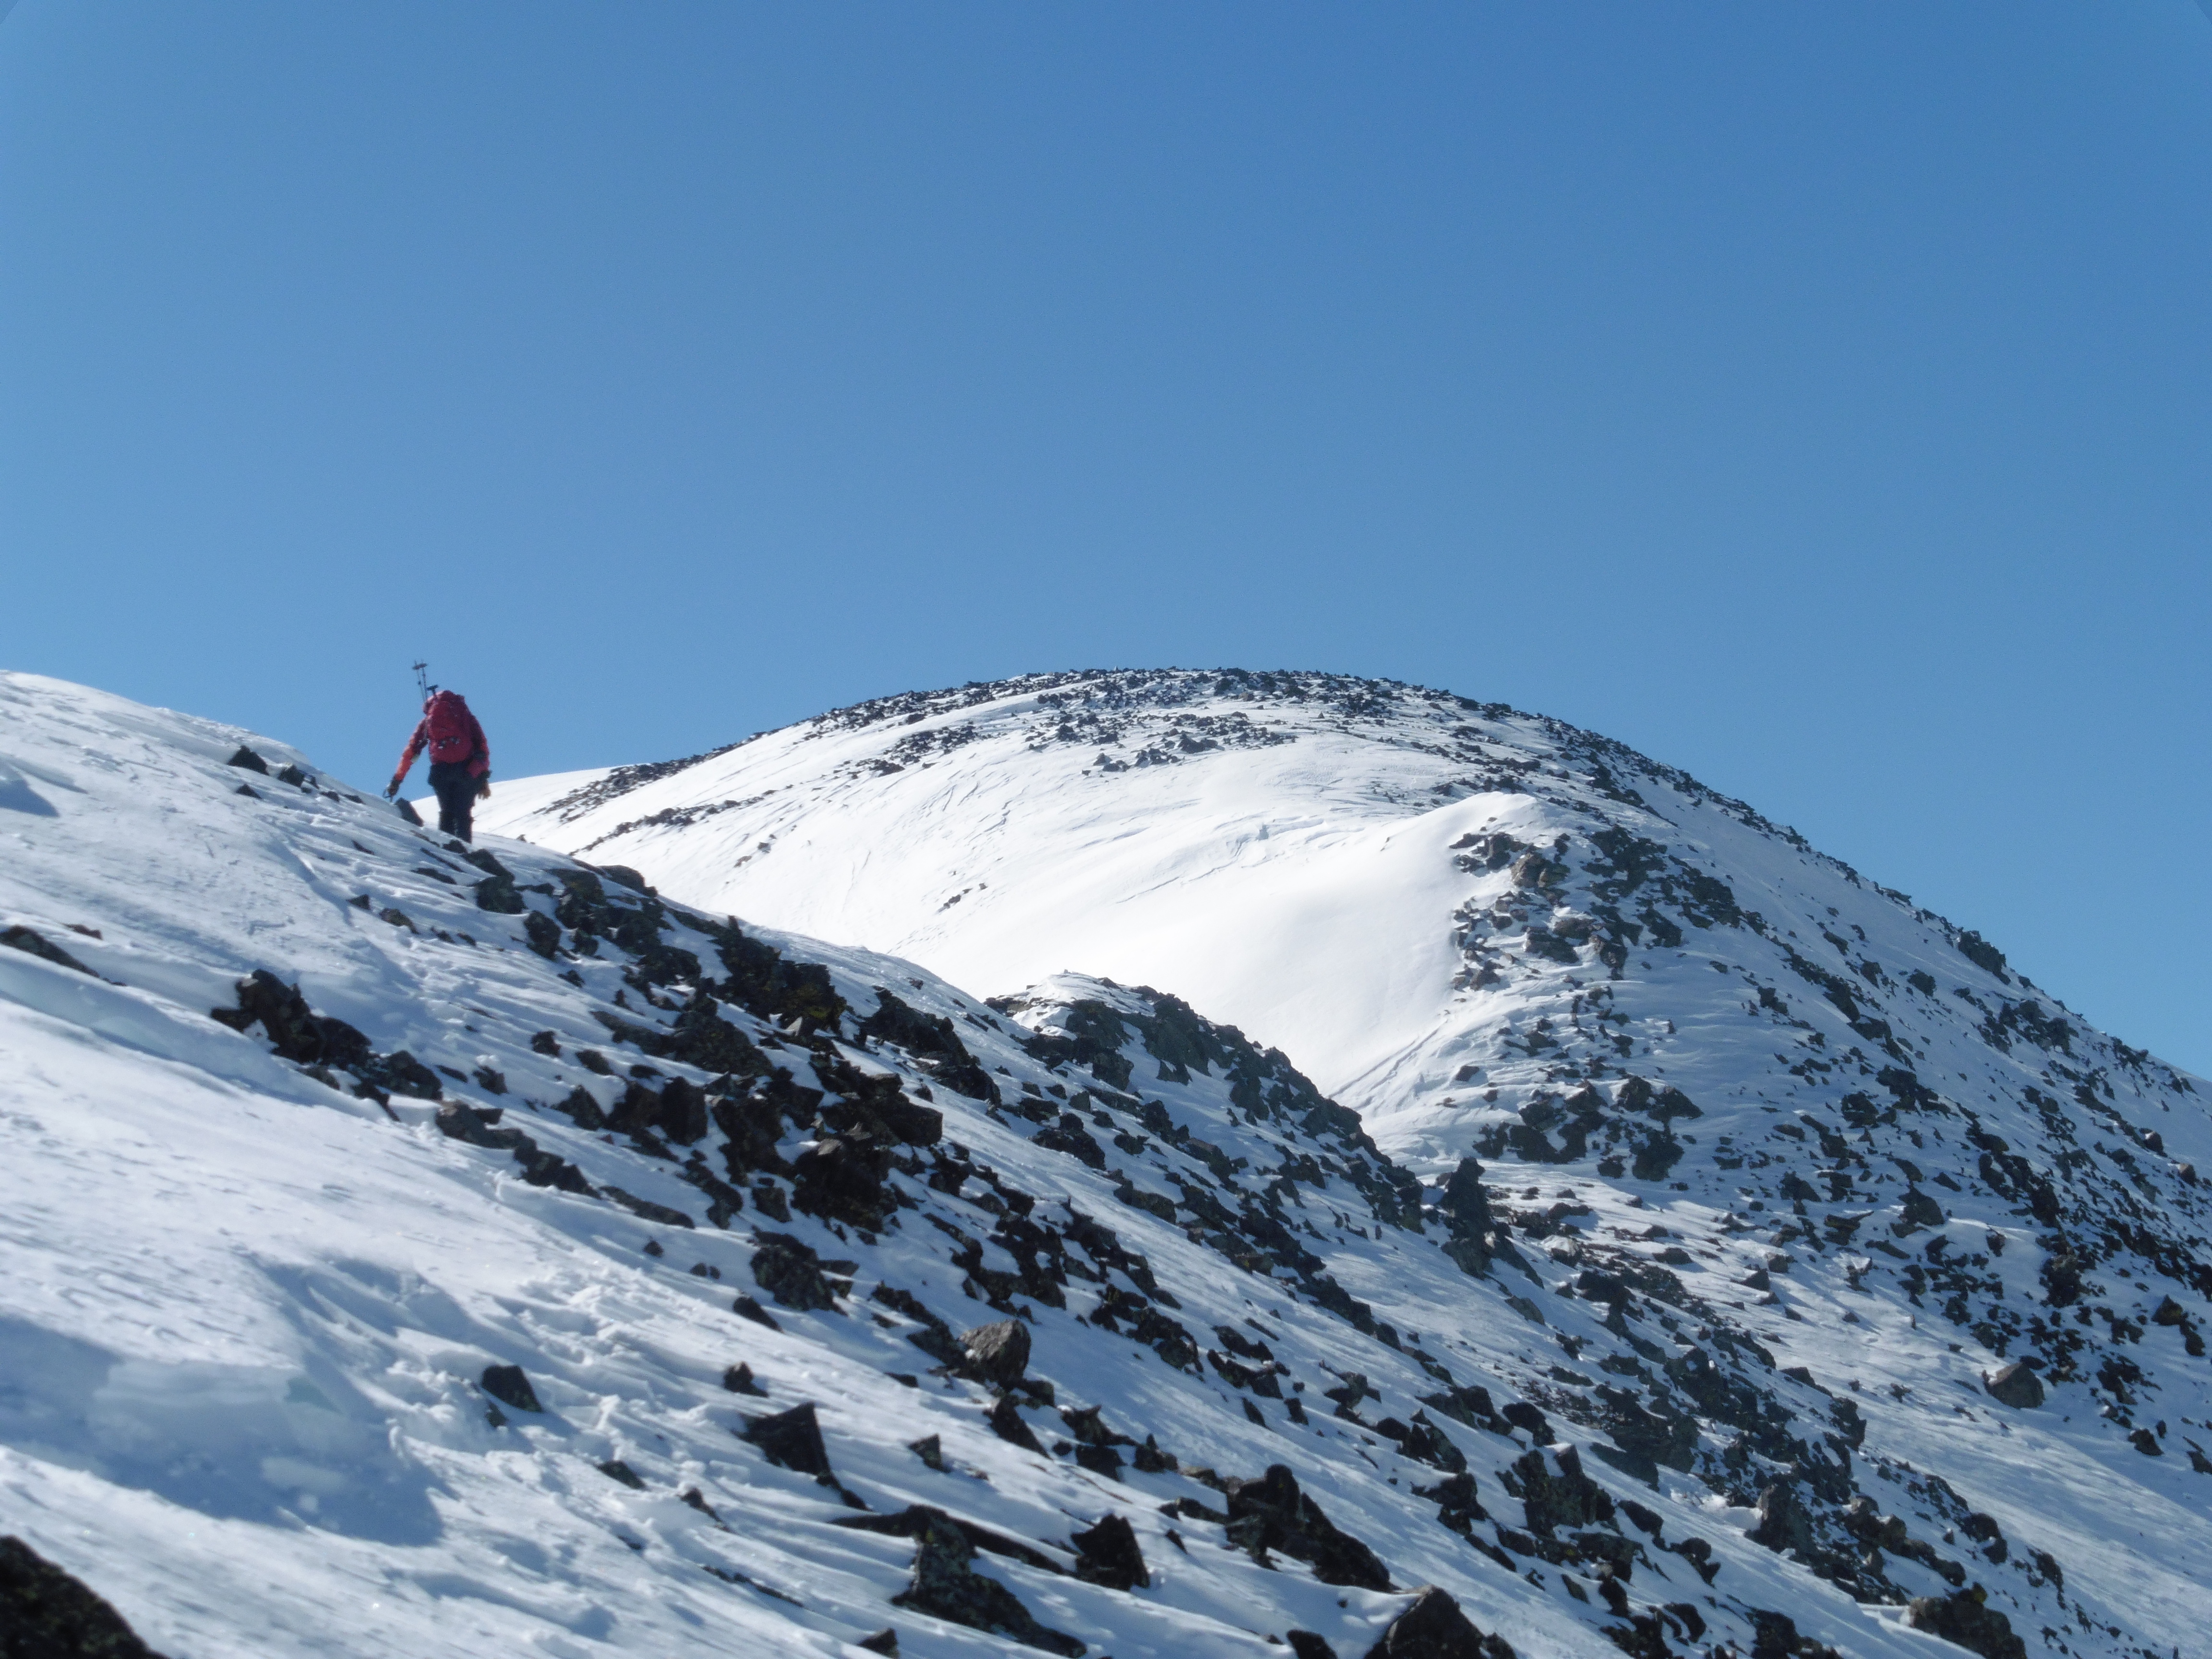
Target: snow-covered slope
1062,1279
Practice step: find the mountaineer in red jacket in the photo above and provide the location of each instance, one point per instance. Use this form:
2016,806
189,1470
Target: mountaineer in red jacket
460,762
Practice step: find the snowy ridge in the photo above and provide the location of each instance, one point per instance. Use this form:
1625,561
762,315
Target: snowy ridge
1061,1276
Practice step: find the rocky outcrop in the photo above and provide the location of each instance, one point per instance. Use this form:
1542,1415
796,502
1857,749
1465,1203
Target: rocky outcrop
48,1614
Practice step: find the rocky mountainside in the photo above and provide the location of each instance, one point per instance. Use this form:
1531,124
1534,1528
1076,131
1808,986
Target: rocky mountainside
1495,935
414,1248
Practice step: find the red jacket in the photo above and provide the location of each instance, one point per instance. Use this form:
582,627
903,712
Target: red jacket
479,757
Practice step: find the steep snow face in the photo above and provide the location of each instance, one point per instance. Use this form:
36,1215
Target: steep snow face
417,1249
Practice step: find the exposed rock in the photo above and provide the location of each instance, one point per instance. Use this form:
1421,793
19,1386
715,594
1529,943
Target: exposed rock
946,1587
2014,1385
791,1440
746,1307
998,1353
1007,1423
497,892
48,1614
841,1178
883,1641
541,933
1918,1209
621,1473
246,760
1784,1525
934,1044
1309,1644
404,1074
1557,1493
1433,1627
1271,1513
1964,1618
646,1210
738,1379
789,1270
34,944
297,1032
1108,1554
511,1386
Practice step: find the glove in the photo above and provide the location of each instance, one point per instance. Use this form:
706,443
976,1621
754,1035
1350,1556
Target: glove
392,788
484,788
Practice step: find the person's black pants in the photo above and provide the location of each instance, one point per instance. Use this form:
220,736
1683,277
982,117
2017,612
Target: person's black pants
456,796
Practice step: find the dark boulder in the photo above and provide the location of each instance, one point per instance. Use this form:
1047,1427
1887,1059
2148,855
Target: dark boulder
2014,1385
34,944
789,1270
297,1032
246,760
1917,1211
1108,1554
48,1614
541,933
1433,1627
934,1042
510,1386
1964,1616
1784,1524
998,1353
738,1379
582,1111
1271,1513
404,1074
841,1178
497,891
1557,1493
703,1038
1006,1422
946,1586
791,1440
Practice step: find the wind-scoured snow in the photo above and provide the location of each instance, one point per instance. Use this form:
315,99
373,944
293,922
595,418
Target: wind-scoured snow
1644,1341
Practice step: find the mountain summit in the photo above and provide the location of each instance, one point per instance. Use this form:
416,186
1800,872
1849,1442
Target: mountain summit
420,1248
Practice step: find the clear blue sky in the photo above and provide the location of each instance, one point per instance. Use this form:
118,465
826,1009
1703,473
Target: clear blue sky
1819,398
